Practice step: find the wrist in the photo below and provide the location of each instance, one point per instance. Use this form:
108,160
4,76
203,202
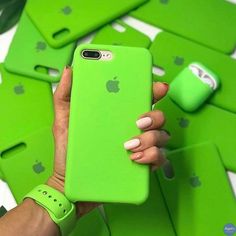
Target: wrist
56,182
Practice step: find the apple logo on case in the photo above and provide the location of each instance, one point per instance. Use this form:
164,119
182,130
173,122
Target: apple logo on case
67,10
183,123
164,1
38,167
19,89
195,181
113,85
41,46
179,61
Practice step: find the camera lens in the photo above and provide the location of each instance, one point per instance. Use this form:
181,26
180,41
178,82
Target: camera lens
89,54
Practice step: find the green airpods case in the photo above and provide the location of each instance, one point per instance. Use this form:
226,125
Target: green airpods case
193,86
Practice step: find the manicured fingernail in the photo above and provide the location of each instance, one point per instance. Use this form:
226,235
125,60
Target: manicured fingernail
131,144
136,156
165,135
166,85
144,122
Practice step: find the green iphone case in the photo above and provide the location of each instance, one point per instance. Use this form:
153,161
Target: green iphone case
208,124
65,21
173,54
107,99
119,33
30,55
25,105
27,161
199,195
150,218
211,23
91,224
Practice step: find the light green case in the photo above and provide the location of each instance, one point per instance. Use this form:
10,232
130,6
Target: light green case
210,23
65,21
91,224
149,219
27,161
25,105
173,54
30,55
119,33
107,99
208,124
199,195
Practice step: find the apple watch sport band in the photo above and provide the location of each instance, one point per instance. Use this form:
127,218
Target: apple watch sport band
60,209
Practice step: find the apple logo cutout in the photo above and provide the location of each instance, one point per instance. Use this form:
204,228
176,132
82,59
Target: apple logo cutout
164,1
19,89
41,46
112,86
183,123
194,181
38,167
179,61
67,10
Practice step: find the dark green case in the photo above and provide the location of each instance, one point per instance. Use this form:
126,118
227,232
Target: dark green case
129,37
199,195
211,22
150,218
25,105
27,161
30,55
65,21
208,124
173,54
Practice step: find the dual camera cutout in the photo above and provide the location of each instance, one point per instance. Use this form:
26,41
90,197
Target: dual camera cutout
102,55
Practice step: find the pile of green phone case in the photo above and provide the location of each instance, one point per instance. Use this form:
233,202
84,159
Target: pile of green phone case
191,194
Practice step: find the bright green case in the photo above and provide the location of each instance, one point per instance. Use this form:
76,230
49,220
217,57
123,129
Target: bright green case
29,53
173,54
129,37
27,161
91,224
73,18
98,167
199,196
211,22
150,218
208,124
25,105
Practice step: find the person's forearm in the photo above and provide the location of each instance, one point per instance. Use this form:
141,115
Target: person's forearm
28,219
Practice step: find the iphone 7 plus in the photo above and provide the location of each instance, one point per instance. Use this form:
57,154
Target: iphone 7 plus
112,87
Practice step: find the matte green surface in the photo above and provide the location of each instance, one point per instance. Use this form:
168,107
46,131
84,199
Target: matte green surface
150,218
189,91
199,197
211,22
25,168
98,167
130,36
92,224
208,124
78,18
25,105
173,54
29,50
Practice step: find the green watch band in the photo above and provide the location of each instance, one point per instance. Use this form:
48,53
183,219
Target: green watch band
60,209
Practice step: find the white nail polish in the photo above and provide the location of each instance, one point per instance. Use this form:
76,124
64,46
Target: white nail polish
144,122
131,144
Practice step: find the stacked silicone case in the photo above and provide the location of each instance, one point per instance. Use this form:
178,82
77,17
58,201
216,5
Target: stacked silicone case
74,19
101,120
